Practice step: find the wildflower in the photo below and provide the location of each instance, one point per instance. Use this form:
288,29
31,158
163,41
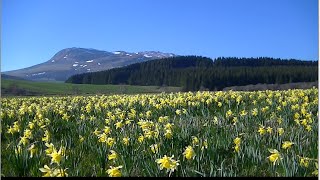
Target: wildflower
23,140
189,153
269,130
304,122
49,149
81,138
287,144
219,104
261,130
234,120
48,171
315,172
17,150
114,171
237,148
102,137
46,136
178,111
31,125
228,113
113,155
56,156
308,128
27,133
280,131
215,120
243,113
168,126
168,163
168,134
195,141
32,150
96,132
125,140
254,112
204,145
154,148
11,130
107,130
275,156
110,141
60,173
141,138
237,141
118,124
304,161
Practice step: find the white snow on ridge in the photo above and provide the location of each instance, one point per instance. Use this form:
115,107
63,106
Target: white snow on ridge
88,69
84,65
75,65
52,61
76,62
37,74
99,64
147,56
116,52
89,61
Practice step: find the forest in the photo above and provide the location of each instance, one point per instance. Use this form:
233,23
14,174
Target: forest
200,73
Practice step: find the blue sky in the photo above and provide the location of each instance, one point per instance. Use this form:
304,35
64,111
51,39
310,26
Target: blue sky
33,31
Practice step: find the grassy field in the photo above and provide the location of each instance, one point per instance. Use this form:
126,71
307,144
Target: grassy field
25,88
261,133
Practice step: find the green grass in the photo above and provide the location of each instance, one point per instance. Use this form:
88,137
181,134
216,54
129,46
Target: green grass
49,88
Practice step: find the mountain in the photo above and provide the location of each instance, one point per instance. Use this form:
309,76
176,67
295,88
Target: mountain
71,61
199,73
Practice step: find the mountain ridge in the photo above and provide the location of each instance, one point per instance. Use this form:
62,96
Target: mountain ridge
71,61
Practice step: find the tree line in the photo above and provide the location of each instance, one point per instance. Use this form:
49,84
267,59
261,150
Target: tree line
196,72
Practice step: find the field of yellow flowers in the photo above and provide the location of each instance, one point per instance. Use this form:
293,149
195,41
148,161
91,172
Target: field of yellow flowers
262,133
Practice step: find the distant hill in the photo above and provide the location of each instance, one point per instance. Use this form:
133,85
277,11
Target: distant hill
70,61
196,72
5,76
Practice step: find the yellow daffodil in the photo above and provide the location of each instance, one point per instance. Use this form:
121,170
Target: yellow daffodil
287,144
113,155
275,156
114,171
189,153
154,148
167,163
125,141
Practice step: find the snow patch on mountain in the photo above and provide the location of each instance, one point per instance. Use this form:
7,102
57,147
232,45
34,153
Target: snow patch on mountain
37,74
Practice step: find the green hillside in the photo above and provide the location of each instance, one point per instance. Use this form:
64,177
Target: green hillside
26,88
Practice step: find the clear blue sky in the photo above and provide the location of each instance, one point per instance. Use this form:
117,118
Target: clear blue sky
32,31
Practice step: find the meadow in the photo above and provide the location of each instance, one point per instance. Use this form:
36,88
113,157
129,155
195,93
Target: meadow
12,87
223,133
